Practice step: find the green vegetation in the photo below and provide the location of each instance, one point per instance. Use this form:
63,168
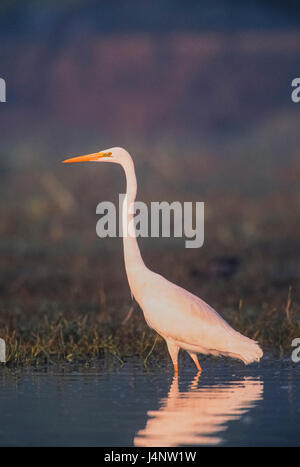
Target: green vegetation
79,336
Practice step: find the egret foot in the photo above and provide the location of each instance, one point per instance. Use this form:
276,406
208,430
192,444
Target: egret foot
173,351
195,360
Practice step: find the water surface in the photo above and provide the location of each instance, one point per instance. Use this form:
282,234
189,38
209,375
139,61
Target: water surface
229,404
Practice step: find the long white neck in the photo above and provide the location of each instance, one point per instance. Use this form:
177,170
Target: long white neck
134,264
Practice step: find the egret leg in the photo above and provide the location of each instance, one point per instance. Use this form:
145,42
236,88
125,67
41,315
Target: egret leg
195,360
173,351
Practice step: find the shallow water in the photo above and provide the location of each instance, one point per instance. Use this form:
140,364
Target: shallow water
229,404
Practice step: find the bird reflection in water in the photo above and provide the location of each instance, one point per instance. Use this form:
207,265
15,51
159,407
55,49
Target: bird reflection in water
198,416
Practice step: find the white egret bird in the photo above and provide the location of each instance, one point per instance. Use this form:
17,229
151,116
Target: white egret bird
182,319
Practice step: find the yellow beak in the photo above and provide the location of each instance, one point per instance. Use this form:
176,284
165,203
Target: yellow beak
88,157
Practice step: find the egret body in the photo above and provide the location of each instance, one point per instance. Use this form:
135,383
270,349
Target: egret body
181,318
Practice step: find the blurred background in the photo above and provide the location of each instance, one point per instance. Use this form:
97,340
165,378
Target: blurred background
200,94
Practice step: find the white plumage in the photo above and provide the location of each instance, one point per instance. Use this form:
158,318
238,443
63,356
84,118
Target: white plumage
182,319
185,321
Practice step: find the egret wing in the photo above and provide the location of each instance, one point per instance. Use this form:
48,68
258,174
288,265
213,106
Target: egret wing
179,315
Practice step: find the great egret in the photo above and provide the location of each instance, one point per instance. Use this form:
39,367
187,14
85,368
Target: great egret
182,319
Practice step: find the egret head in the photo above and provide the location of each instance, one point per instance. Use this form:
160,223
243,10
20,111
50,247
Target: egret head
116,155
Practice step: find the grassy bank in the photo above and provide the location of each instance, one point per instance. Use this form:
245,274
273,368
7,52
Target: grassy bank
64,336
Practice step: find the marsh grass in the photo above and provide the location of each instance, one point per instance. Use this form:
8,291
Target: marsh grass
79,337
75,337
